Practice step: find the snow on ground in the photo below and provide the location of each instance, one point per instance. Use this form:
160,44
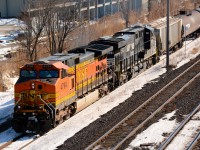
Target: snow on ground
154,134
7,135
7,102
6,105
12,21
9,31
18,144
5,50
186,134
93,112
184,56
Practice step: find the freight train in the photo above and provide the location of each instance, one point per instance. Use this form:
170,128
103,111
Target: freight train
53,89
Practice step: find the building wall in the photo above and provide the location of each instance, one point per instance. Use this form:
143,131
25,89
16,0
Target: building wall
3,12
15,7
11,8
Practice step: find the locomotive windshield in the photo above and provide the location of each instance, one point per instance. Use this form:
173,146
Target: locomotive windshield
28,73
48,74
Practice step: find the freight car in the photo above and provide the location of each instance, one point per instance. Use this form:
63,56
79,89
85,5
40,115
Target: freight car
175,33
191,23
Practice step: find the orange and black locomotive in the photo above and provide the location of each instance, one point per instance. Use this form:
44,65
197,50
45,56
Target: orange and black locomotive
52,89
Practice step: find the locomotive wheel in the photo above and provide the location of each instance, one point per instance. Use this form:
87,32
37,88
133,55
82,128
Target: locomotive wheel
153,60
121,82
60,120
66,117
54,124
126,79
73,108
101,93
110,87
180,44
147,64
129,75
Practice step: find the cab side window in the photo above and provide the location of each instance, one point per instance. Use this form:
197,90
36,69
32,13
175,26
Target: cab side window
63,73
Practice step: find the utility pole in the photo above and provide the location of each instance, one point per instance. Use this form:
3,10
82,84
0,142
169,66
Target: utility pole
167,38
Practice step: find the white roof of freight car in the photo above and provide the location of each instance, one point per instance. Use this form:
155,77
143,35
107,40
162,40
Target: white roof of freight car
162,22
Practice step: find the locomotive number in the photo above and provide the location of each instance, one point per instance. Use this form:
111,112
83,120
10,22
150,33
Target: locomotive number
63,85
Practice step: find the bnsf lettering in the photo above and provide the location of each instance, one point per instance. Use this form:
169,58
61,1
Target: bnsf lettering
32,95
24,95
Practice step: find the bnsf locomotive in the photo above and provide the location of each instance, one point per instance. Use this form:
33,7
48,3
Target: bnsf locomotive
52,89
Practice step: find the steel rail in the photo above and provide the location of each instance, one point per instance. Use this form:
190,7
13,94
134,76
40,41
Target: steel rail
35,138
11,141
177,130
16,139
194,142
91,146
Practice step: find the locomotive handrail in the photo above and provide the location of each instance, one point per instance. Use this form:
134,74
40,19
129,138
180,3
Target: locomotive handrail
18,100
47,104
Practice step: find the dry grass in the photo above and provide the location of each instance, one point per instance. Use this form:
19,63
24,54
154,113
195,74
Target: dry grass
10,68
158,10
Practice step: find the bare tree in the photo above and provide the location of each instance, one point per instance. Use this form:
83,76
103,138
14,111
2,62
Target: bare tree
62,20
124,5
35,20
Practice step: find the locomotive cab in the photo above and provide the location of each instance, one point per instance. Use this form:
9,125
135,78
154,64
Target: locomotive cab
36,94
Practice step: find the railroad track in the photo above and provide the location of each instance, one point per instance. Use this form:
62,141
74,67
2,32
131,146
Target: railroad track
194,142
179,128
11,141
17,138
130,125
28,143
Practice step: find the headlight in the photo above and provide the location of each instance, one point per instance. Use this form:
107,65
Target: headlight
24,113
19,107
33,85
40,107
